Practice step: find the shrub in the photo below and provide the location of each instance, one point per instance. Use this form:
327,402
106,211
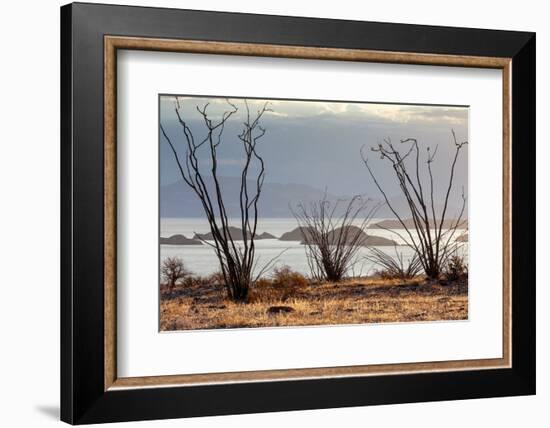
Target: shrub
173,271
394,267
285,277
189,281
433,239
216,280
387,274
331,239
282,285
456,268
213,280
263,291
263,283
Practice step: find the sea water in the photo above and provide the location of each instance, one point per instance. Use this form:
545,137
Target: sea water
202,260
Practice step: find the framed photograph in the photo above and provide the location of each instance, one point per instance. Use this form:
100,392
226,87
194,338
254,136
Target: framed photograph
266,213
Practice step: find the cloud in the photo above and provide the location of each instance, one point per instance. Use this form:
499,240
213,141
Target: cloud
388,114
418,114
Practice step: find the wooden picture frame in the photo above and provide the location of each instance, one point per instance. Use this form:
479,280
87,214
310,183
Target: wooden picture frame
91,390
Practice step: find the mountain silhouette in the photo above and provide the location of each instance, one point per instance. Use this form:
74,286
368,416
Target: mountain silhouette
179,200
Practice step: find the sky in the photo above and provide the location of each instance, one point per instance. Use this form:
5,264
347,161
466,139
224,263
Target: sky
318,143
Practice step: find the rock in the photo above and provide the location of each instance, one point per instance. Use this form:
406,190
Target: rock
378,241
265,235
235,232
216,306
294,235
363,240
273,310
179,240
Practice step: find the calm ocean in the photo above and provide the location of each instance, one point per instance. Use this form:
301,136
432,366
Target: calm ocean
201,260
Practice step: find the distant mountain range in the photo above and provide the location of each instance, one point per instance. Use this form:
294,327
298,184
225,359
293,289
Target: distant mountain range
353,235
178,200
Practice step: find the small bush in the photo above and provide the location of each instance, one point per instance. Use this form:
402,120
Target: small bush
285,277
456,268
173,271
388,274
283,284
394,266
216,280
189,281
263,291
263,283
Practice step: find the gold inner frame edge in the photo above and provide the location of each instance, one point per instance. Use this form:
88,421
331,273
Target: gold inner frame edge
113,43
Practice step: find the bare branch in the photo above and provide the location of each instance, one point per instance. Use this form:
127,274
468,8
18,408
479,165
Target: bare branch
429,238
237,262
332,242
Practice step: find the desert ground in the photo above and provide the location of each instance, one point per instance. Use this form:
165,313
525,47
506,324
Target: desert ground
295,301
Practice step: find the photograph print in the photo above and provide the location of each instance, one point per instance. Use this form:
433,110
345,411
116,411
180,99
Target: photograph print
282,212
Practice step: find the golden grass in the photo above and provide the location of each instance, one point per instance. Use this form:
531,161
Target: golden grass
358,301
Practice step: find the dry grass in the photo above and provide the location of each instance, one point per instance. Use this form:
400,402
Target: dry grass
365,300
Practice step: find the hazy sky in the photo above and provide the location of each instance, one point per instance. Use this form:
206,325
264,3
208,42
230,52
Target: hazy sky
318,143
